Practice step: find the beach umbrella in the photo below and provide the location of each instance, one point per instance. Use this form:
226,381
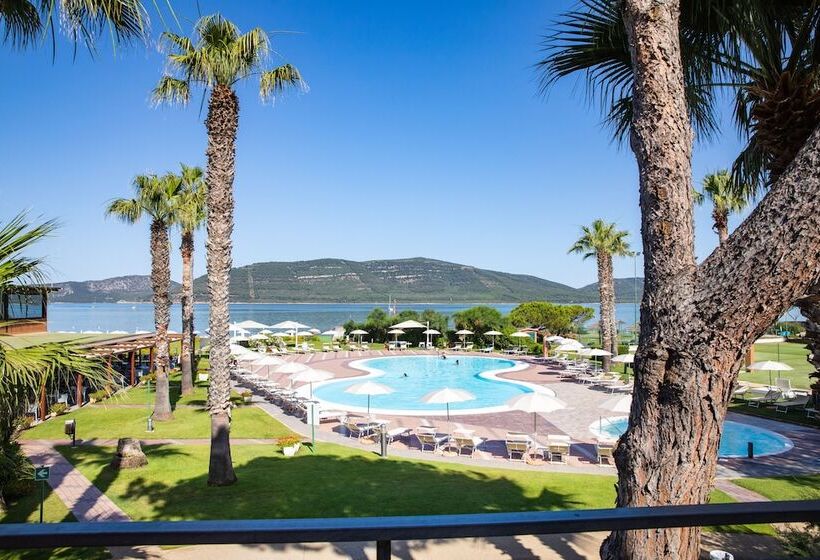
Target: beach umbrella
447,395
427,334
266,331
556,338
369,388
409,325
233,328
395,333
464,333
291,367
279,335
291,325
249,356
535,403
520,334
492,335
258,336
248,324
314,331
770,367
265,362
621,405
430,331
235,339
360,333
236,349
310,375
624,359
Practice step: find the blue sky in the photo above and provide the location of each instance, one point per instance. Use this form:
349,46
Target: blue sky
422,134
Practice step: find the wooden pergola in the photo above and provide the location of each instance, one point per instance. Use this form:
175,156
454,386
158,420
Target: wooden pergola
107,349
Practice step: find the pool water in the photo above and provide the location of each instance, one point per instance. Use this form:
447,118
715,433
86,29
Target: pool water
412,377
733,442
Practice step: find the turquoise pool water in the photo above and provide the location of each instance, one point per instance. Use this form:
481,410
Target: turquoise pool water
423,375
733,442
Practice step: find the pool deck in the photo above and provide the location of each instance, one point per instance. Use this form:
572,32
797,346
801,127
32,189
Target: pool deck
584,409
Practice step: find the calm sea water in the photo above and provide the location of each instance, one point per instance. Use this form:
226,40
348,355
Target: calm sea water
131,317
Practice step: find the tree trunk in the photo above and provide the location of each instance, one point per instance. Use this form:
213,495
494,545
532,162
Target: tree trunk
697,323
606,291
186,355
222,122
160,282
721,224
809,306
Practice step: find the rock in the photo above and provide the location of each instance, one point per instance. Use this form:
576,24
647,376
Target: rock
129,455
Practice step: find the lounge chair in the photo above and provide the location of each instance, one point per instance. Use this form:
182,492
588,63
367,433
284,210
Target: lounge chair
486,349
365,346
469,347
605,448
791,404
740,392
429,438
465,440
358,429
394,433
762,396
785,386
519,444
558,445
456,347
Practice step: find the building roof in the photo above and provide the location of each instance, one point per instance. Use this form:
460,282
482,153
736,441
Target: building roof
97,344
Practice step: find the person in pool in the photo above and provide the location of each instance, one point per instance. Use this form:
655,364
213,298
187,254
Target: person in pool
456,361
404,375
444,356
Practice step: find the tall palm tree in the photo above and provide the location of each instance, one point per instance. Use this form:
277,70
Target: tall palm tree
603,241
717,189
154,198
217,58
189,214
24,22
25,371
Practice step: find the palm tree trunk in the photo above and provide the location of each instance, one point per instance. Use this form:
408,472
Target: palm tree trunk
606,292
721,224
160,282
186,354
222,122
697,322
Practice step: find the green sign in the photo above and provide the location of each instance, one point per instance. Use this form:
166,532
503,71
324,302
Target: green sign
42,473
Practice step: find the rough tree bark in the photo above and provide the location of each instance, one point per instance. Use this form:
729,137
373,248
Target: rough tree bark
160,282
606,291
697,323
809,306
186,354
221,123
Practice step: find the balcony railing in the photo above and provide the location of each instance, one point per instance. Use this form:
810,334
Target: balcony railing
383,530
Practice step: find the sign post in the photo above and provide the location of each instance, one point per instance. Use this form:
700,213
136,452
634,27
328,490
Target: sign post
41,475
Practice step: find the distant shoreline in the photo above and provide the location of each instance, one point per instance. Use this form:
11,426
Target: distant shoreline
400,304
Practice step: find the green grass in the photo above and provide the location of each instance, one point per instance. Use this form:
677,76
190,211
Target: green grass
794,416
784,487
27,510
789,353
335,482
720,497
111,422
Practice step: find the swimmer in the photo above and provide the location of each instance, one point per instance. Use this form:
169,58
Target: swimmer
456,362
404,375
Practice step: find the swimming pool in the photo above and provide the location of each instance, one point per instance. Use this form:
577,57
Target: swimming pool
412,377
733,442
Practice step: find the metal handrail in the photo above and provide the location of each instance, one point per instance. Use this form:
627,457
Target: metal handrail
383,530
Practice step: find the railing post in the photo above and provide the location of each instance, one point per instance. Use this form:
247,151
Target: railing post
383,550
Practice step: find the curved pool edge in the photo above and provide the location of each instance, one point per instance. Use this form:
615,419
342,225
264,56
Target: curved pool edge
787,441
373,373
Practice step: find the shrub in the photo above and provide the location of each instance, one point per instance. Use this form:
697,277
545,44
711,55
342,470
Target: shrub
288,441
149,377
246,393
59,408
802,541
16,475
99,395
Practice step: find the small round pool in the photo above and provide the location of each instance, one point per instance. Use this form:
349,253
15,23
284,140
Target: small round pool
733,442
412,377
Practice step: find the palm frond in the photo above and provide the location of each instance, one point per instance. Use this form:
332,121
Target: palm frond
128,210
16,237
274,82
601,237
172,91
20,23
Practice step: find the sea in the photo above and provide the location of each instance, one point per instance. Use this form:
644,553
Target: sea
132,317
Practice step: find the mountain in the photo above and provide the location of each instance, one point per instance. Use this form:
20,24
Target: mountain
624,290
110,290
417,280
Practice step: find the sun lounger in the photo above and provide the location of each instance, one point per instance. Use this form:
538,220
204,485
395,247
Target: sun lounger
429,438
558,445
795,403
465,440
487,349
365,346
518,444
394,433
604,449
357,428
469,347
764,396
740,392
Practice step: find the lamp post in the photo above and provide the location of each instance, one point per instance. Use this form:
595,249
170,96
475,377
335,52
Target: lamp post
635,256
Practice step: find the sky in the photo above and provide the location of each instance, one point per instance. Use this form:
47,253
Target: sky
423,133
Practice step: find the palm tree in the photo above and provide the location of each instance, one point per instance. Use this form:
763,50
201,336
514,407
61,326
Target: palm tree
25,371
717,189
24,22
154,197
217,59
189,214
603,241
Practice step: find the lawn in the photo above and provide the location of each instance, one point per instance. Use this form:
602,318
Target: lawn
789,353
103,421
794,416
784,487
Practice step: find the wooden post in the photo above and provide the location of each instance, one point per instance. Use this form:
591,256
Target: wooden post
131,357
78,396
151,359
750,358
